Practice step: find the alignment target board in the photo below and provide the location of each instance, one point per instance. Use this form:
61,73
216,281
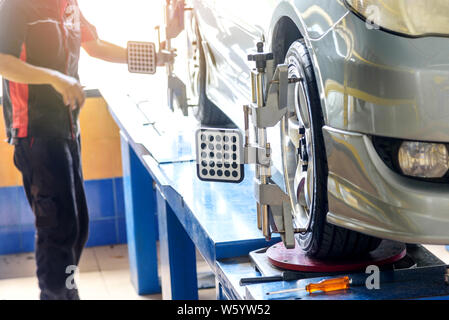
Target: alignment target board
142,57
219,156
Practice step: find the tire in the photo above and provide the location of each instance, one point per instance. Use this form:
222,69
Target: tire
321,240
207,113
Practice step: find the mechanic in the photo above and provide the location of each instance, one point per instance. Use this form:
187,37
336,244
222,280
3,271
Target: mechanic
40,44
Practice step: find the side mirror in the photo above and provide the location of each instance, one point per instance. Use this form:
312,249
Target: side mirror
142,57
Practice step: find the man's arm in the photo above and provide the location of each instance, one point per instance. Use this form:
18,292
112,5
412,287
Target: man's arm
100,49
16,70
105,51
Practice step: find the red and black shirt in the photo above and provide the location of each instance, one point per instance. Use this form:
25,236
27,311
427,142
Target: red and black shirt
44,33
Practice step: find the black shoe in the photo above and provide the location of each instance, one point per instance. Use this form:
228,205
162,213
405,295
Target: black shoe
66,294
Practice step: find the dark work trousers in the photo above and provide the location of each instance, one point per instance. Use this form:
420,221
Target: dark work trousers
53,182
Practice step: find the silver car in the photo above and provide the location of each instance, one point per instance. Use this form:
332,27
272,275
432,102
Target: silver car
371,116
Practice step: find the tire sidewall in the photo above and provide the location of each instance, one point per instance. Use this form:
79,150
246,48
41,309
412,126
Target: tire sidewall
310,240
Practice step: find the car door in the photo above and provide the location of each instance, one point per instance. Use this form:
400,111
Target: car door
219,85
241,25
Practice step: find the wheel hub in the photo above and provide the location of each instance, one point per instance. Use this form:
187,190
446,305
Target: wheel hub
298,156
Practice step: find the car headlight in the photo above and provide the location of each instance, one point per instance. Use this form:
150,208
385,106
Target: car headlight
409,17
423,160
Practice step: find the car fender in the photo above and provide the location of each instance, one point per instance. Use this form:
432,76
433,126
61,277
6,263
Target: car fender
313,23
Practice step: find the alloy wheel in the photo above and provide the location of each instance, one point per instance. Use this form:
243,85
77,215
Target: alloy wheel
298,153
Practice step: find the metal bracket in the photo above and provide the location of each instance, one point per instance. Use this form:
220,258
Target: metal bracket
177,92
270,194
280,211
269,105
174,25
257,155
276,102
268,116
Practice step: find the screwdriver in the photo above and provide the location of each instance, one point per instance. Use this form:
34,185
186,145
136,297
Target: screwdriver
329,285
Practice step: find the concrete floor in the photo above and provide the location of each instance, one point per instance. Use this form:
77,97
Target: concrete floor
104,275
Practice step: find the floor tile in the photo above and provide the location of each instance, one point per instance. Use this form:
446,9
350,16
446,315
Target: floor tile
207,294
112,257
119,287
19,289
104,275
89,261
17,266
91,286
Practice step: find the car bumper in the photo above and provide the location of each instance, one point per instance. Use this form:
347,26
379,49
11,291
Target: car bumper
366,196
378,83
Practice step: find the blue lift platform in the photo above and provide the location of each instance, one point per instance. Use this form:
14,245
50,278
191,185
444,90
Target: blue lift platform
166,202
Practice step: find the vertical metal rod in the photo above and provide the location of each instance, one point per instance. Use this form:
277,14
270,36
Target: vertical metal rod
169,65
253,86
262,143
266,223
259,217
246,114
168,46
260,79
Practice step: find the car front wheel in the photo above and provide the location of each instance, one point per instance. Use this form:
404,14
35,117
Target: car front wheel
305,169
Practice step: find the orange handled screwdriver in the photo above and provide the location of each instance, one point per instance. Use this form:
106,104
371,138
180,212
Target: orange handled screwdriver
322,286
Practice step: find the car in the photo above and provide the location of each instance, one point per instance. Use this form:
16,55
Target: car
371,110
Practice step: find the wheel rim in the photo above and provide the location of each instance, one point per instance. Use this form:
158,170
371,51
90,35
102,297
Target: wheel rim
193,64
298,153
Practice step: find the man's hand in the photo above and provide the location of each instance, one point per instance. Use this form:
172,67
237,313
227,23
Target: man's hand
70,89
164,57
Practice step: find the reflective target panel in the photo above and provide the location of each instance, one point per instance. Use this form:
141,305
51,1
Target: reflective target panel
220,155
142,57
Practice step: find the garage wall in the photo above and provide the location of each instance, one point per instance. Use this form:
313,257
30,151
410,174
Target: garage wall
103,181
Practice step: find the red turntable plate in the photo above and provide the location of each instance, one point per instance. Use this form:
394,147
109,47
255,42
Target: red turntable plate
296,259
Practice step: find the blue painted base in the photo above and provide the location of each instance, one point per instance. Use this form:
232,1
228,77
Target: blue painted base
176,249
419,283
141,222
106,210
